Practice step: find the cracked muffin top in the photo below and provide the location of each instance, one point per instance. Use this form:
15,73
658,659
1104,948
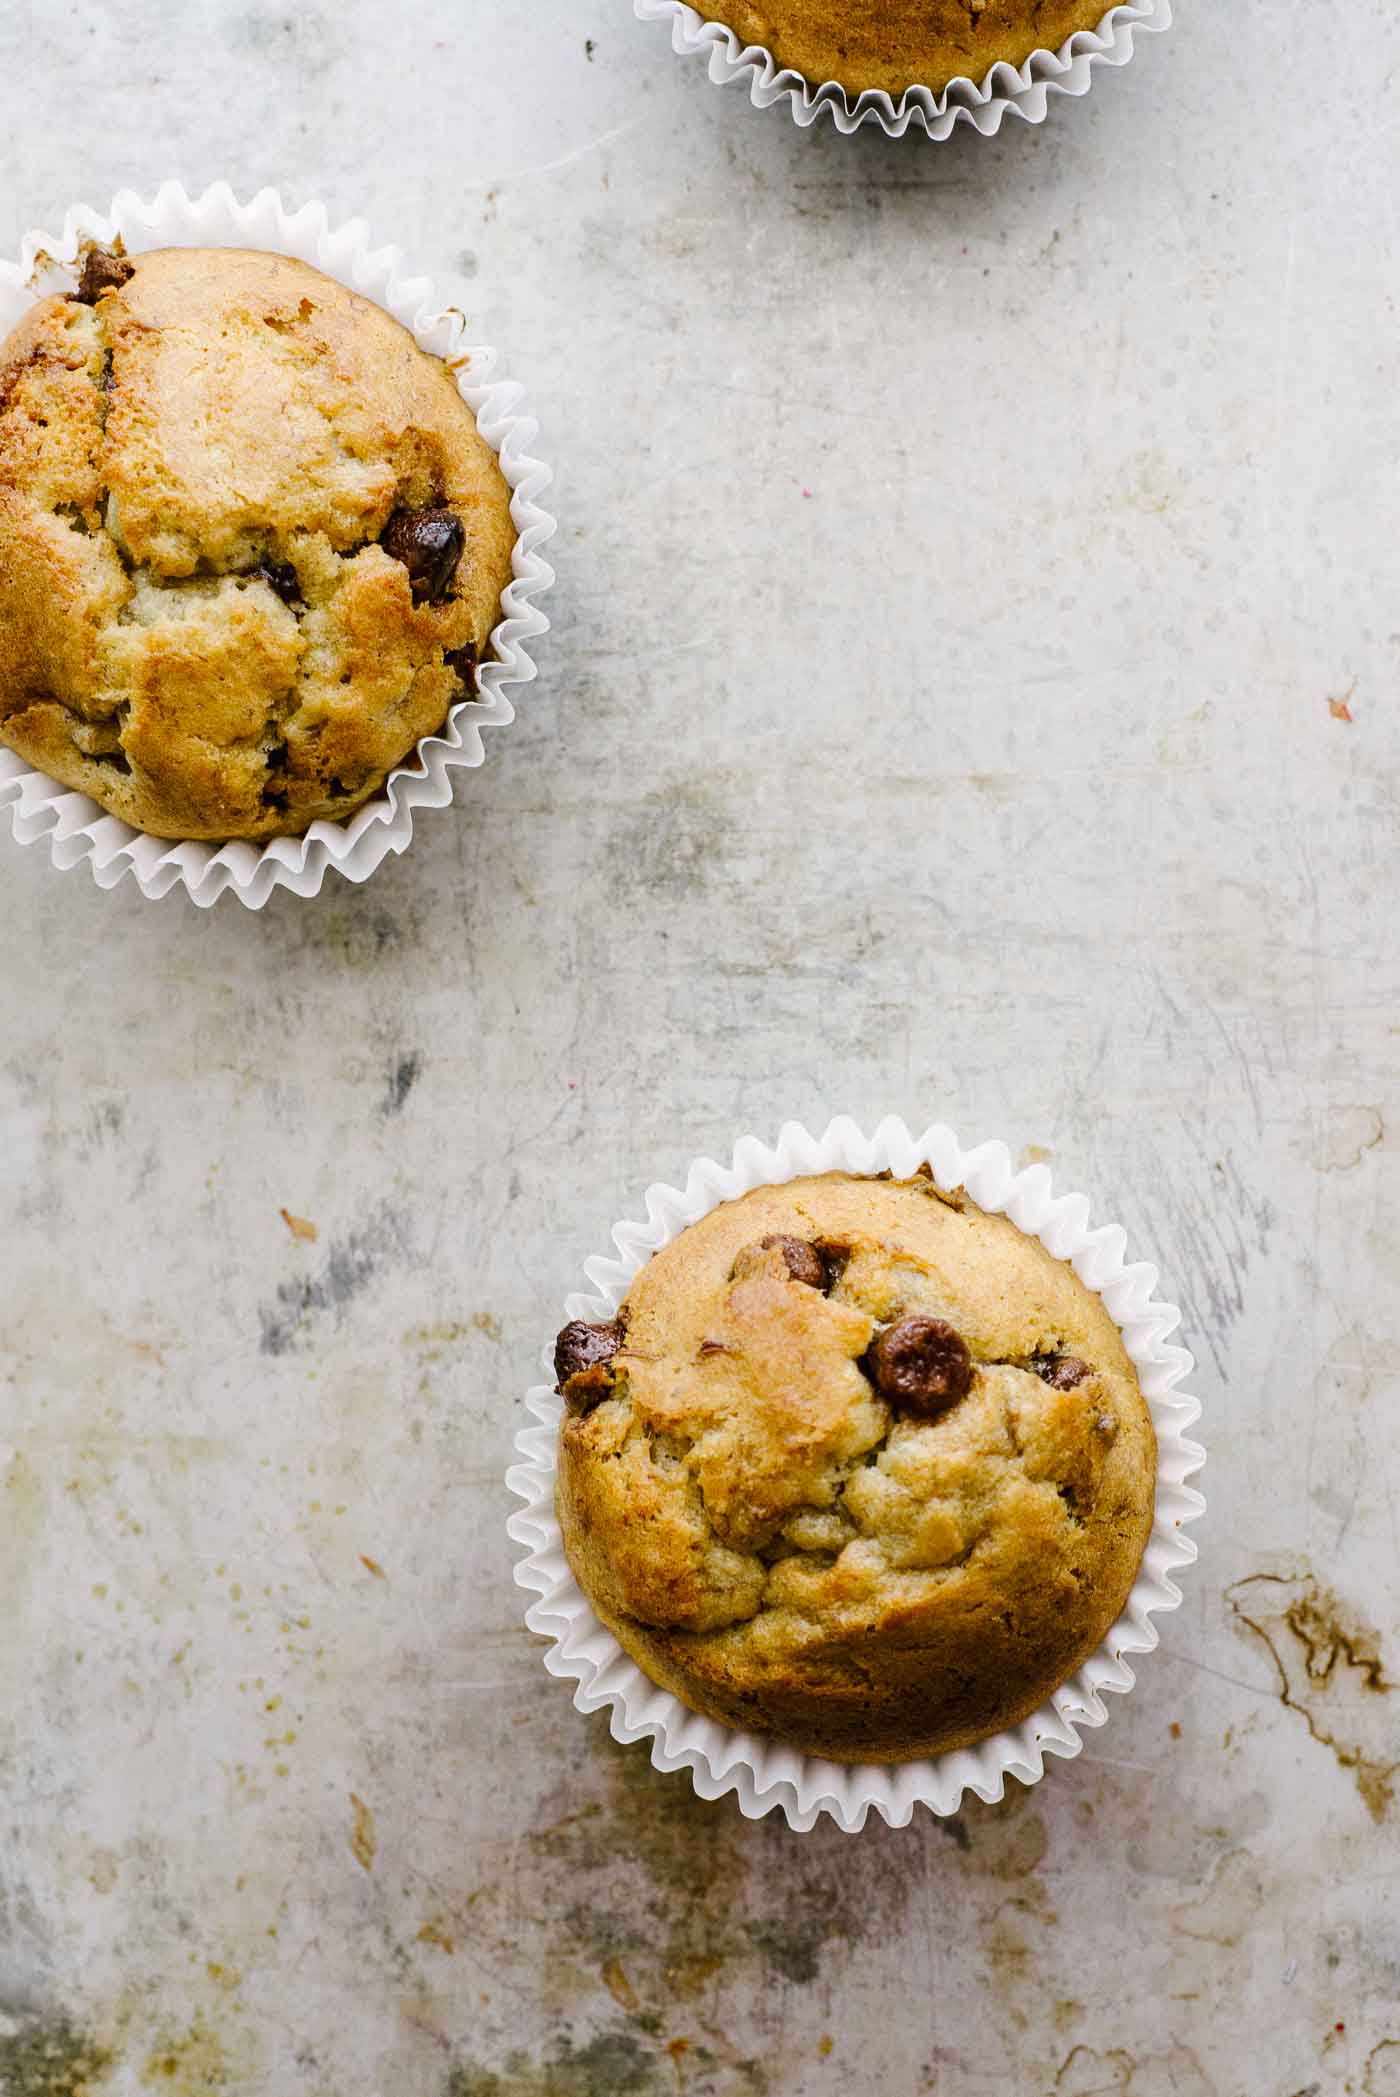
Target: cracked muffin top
895,44
857,1465
252,546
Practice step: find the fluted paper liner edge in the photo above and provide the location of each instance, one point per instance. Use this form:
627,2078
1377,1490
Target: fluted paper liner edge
1021,91
78,830
764,1775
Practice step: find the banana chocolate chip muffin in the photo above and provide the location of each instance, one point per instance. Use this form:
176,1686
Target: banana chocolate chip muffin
858,1466
252,546
895,44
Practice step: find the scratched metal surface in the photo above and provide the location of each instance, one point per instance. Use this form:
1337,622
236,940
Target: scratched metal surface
969,561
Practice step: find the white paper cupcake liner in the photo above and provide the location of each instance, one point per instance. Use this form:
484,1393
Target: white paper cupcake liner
762,1774
81,833
1023,91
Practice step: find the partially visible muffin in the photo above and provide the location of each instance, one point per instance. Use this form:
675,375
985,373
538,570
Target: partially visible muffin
858,1466
896,44
252,546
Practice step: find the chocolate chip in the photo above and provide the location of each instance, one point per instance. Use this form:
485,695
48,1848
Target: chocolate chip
462,663
1063,1372
277,758
429,543
803,1260
921,1365
581,1348
281,577
101,272
589,1388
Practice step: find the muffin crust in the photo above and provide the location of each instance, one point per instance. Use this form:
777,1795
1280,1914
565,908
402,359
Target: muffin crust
895,44
791,1550
221,612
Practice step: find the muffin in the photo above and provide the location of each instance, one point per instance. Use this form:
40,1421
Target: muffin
858,1466
252,546
897,44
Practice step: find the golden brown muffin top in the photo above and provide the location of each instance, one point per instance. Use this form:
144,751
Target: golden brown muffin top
895,44
252,546
858,1464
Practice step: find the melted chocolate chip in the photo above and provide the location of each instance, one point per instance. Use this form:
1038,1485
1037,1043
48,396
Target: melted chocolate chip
589,1388
581,1349
804,1261
101,272
1063,1372
281,577
921,1365
429,543
462,663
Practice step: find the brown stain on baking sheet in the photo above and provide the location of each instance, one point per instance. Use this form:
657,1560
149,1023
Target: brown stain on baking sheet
649,1895
130,2045
675,840
1006,1841
1227,1909
190,2061
1382,2073
613,2063
24,1500
1330,1672
48,2056
364,1841
653,1906
1345,1136
435,1342
618,1986
1085,2072
715,1889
